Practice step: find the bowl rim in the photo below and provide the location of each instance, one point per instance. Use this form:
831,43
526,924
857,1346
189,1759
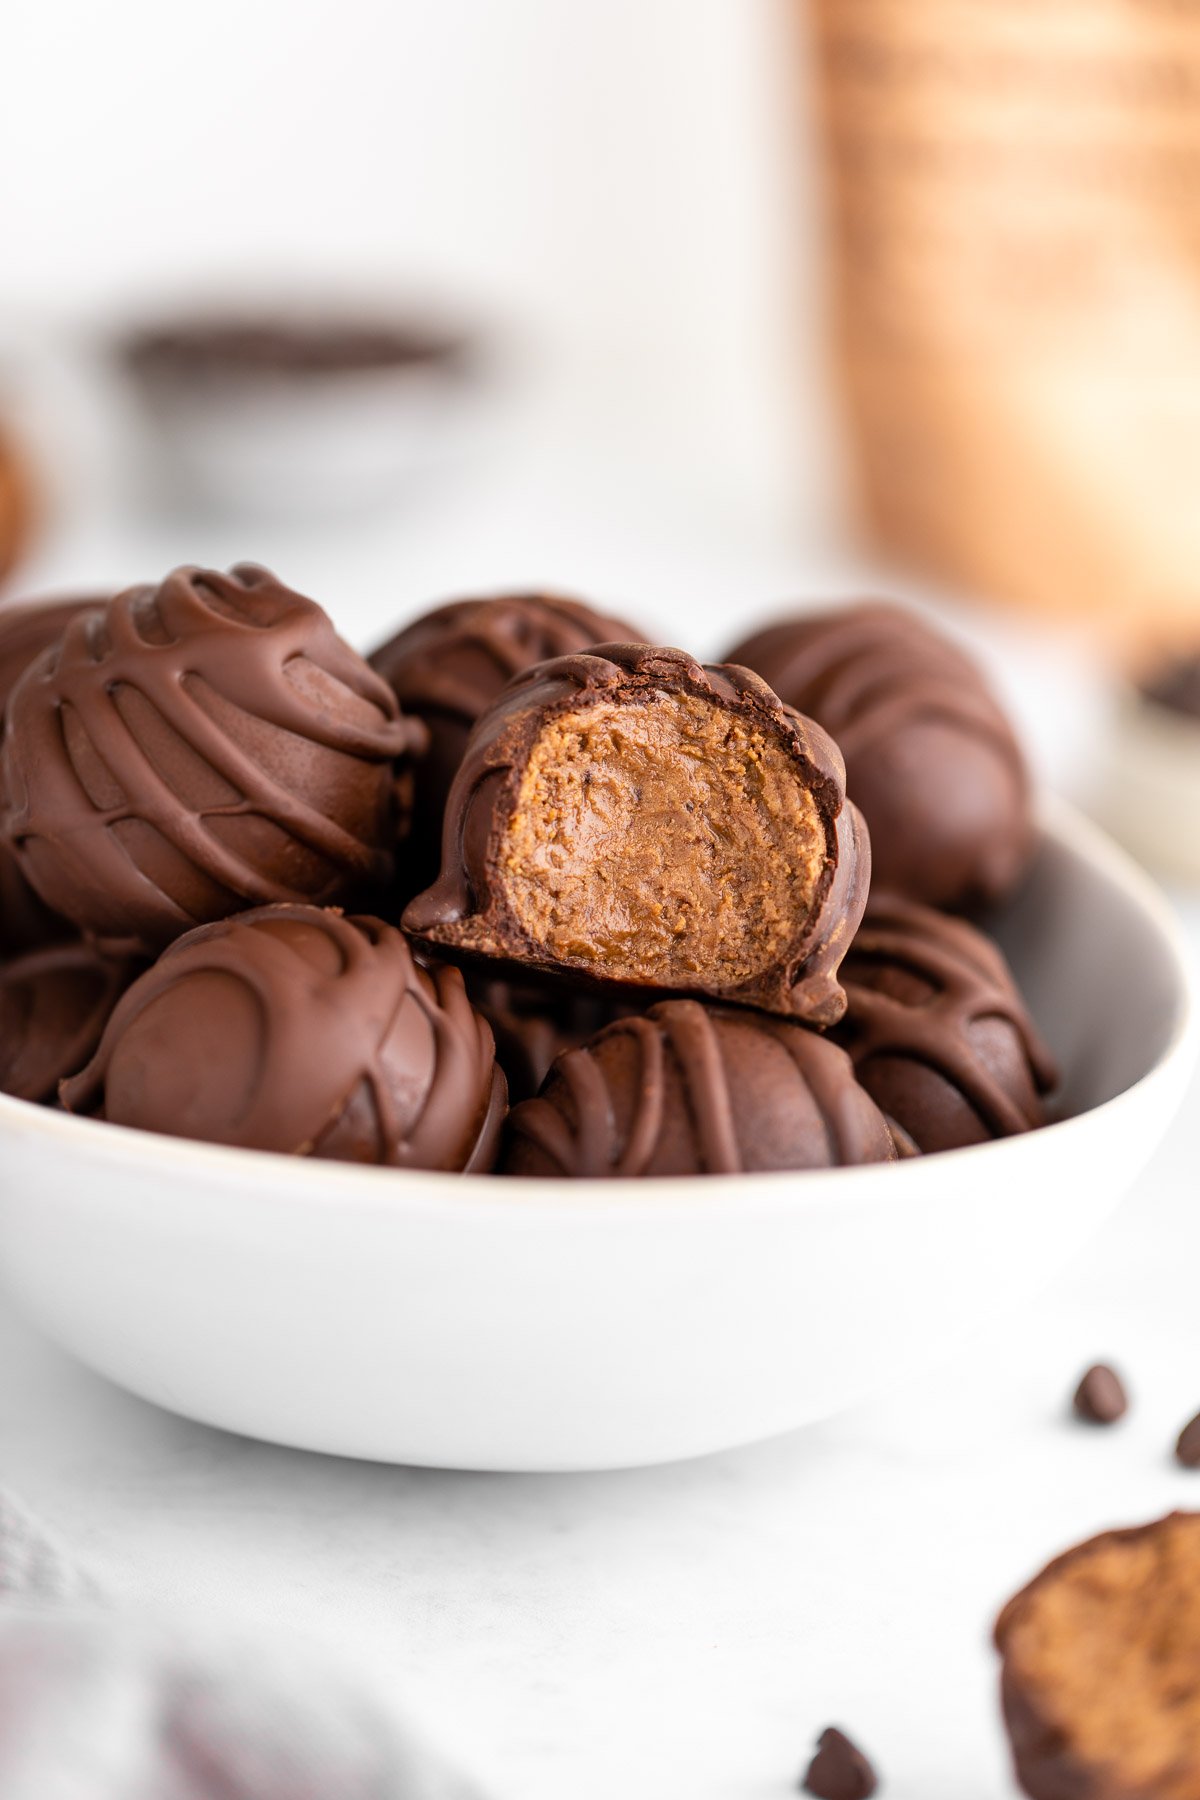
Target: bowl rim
290,1180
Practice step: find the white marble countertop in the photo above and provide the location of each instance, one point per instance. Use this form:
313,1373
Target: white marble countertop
680,1633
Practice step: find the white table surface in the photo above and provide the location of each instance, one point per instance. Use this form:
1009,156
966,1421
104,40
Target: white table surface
680,1633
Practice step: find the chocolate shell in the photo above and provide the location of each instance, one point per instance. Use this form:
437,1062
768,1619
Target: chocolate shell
938,1031
692,1089
447,668
295,1029
196,748
54,1004
931,759
1100,1653
646,823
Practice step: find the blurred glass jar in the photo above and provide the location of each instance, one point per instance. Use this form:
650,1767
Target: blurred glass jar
1014,238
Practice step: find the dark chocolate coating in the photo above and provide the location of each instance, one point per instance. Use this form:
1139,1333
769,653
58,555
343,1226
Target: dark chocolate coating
196,748
931,758
296,1029
447,668
692,1089
937,1030
27,628
533,1022
467,907
1048,1762
54,1004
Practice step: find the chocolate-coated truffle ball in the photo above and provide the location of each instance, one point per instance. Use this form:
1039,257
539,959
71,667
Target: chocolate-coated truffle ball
195,748
937,1030
26,630
54,1003
294,1028
931,759
1100,1654
645,822
693,1089
533,1022
448,666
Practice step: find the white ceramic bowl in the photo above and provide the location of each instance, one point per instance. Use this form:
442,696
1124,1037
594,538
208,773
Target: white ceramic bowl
478,1323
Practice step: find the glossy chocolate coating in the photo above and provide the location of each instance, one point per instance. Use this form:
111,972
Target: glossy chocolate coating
693,1089
447,668
937,1030
54,1004
470,909
931,759
296,1029
27,628
533,1022
196,748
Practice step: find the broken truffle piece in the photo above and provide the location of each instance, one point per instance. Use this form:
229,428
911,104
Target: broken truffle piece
54,1004
839,1770
1100,1653
652,824
295,1029
1100,1398
931,758
533,1022
937,1031
447,668
691,1089
195,748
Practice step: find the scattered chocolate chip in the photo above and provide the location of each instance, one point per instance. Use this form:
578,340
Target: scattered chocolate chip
839,1770
1187,1450
1100,1398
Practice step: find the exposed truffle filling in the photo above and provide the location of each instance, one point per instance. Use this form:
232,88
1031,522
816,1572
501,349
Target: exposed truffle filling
1110,1645
666,840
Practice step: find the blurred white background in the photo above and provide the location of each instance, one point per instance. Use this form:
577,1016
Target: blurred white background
615,185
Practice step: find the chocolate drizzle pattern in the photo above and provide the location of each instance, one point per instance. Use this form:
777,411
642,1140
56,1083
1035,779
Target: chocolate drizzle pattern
877,678
54,1003
195,748
469,890
331,1040
920,985
457,658
688,1088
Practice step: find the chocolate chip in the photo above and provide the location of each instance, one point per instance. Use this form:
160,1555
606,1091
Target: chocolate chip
1100,1398
1187,1450
839,1770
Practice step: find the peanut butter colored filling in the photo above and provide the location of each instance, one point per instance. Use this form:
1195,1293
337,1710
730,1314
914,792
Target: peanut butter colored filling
663,841
1110,1647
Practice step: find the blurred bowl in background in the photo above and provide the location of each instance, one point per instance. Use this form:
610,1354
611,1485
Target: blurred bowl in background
297,410
1149,788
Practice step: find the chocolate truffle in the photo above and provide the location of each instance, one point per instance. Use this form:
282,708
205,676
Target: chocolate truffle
447,668
533,1022
296,1029
937,1031
692,1089
931,759
195,748
26,630
1100,1653
634,817
54,1003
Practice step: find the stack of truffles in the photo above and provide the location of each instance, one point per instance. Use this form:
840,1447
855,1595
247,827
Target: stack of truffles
259,891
